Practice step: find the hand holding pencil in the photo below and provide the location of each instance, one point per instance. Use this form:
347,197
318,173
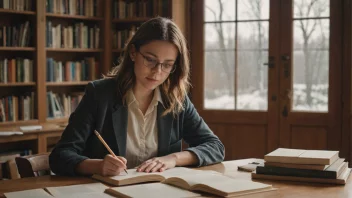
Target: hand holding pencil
112,164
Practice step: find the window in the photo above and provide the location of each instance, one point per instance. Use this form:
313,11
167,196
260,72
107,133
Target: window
236,48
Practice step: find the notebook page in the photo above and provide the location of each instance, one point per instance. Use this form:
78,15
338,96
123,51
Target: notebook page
181,171
76,189
223,183
319,154
87,195
34,193
284,152
132,173
153,190
174,172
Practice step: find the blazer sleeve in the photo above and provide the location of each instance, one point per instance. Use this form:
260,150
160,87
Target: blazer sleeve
202,141
68,151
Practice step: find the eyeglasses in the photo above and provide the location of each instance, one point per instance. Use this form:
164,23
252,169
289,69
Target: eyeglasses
152,63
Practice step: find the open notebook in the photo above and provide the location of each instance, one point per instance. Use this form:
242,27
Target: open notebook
134,177
188,179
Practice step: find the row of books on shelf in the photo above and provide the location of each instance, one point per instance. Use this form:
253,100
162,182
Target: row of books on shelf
77,35
16,70
62,105
15,36
15,108
321,166
83,70
8,167
72,7
19,5
129,9
120,37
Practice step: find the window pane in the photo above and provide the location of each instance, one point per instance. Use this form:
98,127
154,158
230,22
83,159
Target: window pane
252,79
252,92
311,65
314,32
253,9
219,10
253,35
219,81
311,8
219,36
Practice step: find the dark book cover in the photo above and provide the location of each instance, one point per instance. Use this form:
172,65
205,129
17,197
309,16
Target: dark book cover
281,171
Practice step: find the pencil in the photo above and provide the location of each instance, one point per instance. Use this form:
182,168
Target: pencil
106,146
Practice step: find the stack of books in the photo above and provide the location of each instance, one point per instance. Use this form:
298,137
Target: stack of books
319,166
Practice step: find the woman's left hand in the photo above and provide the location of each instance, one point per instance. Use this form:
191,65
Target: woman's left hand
158,164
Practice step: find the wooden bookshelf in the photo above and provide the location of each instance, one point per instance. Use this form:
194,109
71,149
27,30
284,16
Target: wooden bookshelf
19,123
17,49
131,20
57,120
79,50
38,51
80,17
117,50
9,11
17,84
18,56
78,83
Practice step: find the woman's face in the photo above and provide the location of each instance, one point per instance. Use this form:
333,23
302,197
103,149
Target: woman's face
149,76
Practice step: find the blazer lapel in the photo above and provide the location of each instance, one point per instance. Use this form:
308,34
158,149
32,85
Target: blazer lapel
164,124
119,121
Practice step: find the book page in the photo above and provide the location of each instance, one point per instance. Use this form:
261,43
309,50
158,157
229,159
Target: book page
34,193
77,189
283,152
300,156
151,190
8,133
167,173
31,128
136,177
180,171
132,173
87,195
222,183
319,154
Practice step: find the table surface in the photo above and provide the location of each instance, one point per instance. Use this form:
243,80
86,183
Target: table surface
229,168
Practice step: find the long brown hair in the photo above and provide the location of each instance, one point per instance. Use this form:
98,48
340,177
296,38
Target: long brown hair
174,89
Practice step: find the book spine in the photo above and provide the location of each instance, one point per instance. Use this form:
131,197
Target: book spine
280,171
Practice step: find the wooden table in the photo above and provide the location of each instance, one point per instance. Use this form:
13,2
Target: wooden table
229,168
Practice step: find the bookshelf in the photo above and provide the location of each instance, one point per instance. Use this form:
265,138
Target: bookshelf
108,16
34,48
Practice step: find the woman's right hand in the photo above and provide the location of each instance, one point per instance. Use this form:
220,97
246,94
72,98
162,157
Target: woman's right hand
111,166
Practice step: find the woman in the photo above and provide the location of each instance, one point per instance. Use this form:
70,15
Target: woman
141,110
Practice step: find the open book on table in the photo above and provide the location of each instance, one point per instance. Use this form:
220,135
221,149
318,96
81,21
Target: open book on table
188,179
217,184
134,177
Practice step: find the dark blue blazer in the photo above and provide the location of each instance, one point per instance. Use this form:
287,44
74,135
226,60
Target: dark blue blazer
102,109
